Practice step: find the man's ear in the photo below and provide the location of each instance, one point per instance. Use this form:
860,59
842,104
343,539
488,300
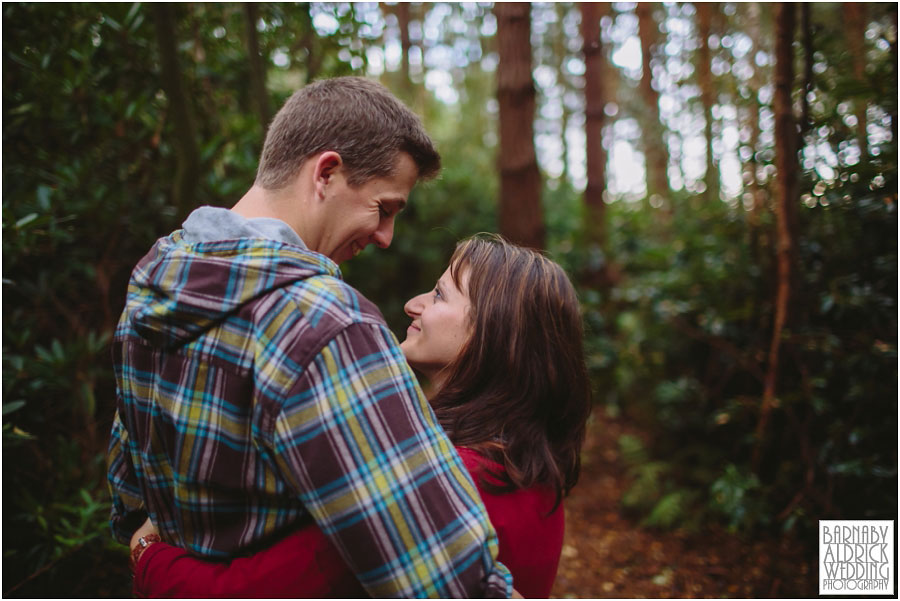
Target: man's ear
327,165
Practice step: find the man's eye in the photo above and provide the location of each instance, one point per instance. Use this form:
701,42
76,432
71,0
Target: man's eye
384,212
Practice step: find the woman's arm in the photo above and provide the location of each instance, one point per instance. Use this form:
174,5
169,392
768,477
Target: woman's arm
304,564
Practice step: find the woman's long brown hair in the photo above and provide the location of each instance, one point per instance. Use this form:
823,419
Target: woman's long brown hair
518,392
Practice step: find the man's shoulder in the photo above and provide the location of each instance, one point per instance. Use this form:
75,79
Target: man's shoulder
326,297
306,315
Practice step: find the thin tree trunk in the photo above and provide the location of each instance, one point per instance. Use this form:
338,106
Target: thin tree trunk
808,60
186,155
593,113
654,143
786,164
521,218
307,41
855,21
257,66
402,12
755,83
707,94
561,54
894,55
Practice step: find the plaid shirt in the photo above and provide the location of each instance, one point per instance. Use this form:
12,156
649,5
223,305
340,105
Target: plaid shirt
257,390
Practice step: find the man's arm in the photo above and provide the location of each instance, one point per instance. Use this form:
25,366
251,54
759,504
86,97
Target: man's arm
358,442
127,506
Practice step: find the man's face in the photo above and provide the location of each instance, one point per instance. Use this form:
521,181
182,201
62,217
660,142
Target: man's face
357,217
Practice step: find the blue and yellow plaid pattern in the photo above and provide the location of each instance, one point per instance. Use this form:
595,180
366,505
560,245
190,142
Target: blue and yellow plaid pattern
257,391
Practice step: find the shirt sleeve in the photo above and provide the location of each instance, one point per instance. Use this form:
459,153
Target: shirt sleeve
127,506
359,443
303,565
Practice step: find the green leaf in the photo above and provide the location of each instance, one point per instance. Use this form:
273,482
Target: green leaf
26,220
112,23
668,512
632,449
22,108
13,406
43,197
132,12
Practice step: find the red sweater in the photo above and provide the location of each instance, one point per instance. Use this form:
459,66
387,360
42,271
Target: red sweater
305,564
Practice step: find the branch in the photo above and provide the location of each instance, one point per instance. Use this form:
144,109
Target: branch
719,344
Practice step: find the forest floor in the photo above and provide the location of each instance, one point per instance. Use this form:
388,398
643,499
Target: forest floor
608,555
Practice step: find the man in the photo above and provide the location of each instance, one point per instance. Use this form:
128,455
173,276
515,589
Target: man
257,390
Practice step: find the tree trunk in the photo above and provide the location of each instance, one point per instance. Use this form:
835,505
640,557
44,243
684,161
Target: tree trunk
593,113
186,155
655,151
752,180
707,94
307,41
786,164
894,55
257,66
402,12
521,218
808,60
855,21
561,55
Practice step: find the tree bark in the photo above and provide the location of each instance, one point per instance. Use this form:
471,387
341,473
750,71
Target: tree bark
402,12
521,218
751,178
655,150
186,155
257,65
561,55
707,95
594,117
808,60
307,41
894,56
786,164
855,21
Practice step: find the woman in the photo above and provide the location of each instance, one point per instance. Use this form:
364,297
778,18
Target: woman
500,340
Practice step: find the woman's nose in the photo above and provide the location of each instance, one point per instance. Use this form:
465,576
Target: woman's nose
413,306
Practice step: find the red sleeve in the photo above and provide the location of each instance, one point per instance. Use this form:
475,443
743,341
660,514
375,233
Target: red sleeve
304,564
530,539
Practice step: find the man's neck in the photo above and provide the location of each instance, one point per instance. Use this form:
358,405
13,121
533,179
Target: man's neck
284,204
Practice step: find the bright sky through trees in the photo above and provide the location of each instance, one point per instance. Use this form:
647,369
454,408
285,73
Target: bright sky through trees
450,42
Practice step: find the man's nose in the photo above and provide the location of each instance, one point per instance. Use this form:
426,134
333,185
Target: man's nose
384,234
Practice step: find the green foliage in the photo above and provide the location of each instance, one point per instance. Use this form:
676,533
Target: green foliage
87,187
736,495
676,342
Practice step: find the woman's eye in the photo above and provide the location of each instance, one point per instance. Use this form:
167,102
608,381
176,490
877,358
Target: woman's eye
437,294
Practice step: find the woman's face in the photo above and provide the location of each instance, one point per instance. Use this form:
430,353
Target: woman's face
439,328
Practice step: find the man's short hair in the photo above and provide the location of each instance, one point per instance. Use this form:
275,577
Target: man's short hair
355,117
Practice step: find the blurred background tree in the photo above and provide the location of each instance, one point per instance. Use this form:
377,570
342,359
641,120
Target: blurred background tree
745,320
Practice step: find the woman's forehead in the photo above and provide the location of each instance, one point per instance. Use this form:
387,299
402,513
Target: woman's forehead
457,277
